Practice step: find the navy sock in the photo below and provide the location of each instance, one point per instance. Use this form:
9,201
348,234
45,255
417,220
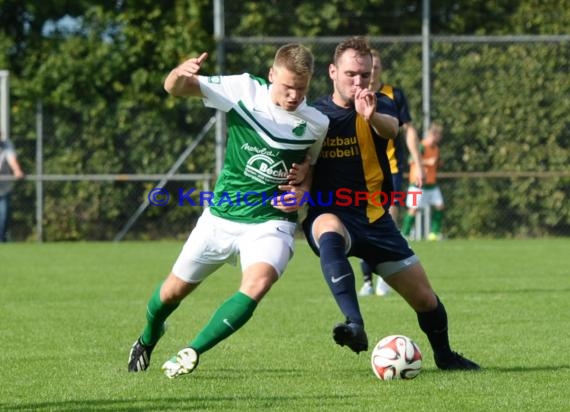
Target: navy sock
339,275
434,325
366,271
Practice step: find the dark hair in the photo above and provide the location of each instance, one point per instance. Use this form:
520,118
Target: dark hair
358,43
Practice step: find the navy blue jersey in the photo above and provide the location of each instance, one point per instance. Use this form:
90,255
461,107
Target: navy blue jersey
396,150
352,170
401,105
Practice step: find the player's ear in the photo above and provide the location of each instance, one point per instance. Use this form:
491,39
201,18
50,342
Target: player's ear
270,77
332,71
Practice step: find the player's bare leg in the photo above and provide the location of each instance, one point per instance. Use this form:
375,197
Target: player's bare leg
257,280
413,285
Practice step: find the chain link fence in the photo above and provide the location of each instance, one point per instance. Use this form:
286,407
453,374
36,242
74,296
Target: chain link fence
503,102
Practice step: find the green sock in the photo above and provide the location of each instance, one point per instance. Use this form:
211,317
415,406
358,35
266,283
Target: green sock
409,221
229,317
436,221
156,314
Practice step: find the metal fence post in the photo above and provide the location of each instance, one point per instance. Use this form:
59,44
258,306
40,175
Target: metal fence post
39,172
4,104
426,65
220,37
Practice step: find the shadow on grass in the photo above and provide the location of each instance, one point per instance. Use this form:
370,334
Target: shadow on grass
500,369
506,291
182,403
525,369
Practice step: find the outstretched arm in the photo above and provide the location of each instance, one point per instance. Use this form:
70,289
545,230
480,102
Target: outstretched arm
15,166
413,144
182,81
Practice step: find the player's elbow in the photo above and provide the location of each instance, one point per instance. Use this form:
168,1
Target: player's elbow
393,128
174,91
169,86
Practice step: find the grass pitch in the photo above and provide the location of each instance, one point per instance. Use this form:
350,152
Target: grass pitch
70,311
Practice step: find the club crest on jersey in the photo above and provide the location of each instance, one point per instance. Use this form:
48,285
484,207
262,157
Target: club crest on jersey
300,129
265,170
214,79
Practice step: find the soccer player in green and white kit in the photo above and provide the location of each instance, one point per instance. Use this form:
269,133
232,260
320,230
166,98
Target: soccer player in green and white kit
270,131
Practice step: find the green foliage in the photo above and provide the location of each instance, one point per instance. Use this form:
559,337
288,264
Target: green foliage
504,110
541,17
97,68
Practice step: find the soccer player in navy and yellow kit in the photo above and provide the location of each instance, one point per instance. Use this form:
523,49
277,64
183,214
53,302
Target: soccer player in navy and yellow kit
363,229
407,136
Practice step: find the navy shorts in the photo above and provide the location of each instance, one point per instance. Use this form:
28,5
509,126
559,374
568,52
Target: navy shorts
380,243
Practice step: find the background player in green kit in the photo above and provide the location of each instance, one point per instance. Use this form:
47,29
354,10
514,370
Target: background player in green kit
270,129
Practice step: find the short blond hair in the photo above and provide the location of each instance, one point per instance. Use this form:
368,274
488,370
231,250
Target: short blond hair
295,58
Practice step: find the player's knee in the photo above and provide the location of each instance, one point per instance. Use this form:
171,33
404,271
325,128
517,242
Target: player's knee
326,223
425,301
173,289
257,280
255,291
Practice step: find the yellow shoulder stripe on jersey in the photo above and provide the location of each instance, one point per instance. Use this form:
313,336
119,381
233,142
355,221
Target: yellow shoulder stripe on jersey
391,153
373,175
387,90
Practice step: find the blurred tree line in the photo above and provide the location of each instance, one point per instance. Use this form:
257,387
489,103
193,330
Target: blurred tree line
97,68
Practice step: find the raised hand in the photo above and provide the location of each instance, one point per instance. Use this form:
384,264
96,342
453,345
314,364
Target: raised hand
182,81
191,66
365,103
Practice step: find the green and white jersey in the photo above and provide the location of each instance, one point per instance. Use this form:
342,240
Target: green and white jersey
263,141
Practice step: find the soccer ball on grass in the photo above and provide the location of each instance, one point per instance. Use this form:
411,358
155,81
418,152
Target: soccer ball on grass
396,357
